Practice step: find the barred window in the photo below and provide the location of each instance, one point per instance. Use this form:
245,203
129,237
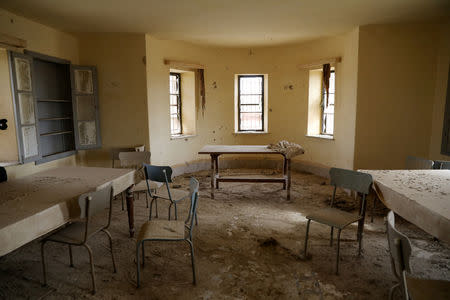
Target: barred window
175,104
328,107
251,102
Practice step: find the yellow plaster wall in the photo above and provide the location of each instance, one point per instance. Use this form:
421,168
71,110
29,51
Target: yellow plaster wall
396,84
440,93
119,58
287,116
42,39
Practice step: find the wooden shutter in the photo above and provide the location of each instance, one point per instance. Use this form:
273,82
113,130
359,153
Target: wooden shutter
25,106
85,107
445,147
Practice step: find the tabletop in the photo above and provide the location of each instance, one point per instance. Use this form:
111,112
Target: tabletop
237,149
37,204
420,196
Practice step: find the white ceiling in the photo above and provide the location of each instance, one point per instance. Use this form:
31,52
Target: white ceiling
235,23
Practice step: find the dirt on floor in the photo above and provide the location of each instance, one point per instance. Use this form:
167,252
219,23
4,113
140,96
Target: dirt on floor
248,245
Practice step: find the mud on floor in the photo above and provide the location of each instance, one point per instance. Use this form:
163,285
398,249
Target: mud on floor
247,246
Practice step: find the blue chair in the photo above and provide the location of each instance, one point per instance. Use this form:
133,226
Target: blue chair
417,163
163,174
170,230
336,218
400,251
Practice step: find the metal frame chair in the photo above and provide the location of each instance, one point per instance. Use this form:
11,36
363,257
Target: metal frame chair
170,230
335,218
417,163
400,252
445,165
78,233
136,160
115,156
163,174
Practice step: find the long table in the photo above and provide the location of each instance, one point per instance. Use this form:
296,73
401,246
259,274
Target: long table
422,197
35,205
216,150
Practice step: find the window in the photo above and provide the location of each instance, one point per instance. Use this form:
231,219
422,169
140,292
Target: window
175,104
250,102
327,104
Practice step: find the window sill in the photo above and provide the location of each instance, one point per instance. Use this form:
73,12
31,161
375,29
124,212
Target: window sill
182,136
251,132
321,136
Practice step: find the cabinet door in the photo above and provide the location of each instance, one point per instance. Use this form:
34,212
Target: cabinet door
25,106
85,107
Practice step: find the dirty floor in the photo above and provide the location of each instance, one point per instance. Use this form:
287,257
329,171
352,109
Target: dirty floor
248,245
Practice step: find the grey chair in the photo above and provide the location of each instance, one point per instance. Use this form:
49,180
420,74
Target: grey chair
163,174
445,165
79,232
170,230
115,157
3,175
336,218
417,163
136,160
400,252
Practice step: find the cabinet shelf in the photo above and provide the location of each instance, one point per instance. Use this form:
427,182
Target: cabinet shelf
55,119
54,100
57,133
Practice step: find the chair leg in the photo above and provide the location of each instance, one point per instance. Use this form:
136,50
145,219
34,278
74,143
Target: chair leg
143,254
373,209
337,252
194,279
196,219
156,207
146,199
176,213
70,256
391,291
151,206
111,249
331,236
138,265
44,270
360,236
91,261
306,237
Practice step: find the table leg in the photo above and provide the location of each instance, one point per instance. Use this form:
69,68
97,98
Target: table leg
288,162
216,164
130,210
284,171
212,176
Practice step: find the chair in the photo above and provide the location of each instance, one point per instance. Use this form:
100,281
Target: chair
136,160
170,230
417,163
79,232
115,156
400,252
335,218
445,165
164,175
3,175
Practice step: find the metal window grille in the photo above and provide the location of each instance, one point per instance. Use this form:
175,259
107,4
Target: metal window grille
175,104
328,107
251,102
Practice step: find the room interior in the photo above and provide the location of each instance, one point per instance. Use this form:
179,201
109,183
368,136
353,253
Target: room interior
101,78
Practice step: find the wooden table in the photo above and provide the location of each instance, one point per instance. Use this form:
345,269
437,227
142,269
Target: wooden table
216,150
35,205
422,197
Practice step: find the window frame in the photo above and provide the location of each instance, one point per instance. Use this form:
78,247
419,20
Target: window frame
262,103
179,103
322,108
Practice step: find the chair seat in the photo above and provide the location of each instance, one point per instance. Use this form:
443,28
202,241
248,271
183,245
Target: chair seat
74,233
419,288
333,217
162,229
176,194
142,186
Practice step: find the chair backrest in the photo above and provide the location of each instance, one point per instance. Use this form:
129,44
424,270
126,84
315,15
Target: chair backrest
417,163
193,191
95,202
399,247
3,175
158,173
115,152
134,160
352,180
445,165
